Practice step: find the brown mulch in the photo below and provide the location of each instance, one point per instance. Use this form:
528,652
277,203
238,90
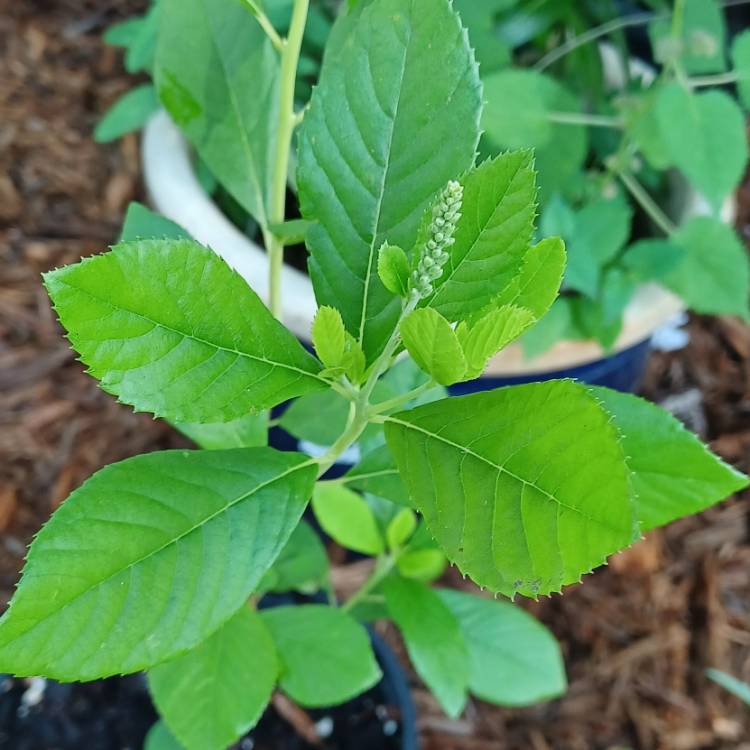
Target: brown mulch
636,635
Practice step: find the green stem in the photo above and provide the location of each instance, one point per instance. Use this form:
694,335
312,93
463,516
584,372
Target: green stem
265,24
720,79
646,202
355,427
579,118
290,52
383,566
394,403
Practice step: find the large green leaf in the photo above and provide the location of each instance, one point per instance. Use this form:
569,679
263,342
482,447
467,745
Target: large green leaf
215,693
217,75
514,660
326,657
433,638
710,143
395,117
169,328
148,557
713,275
492,235
741,60
674,474
525,488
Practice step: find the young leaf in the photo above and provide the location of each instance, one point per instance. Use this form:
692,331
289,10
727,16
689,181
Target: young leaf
329,336
741,59
499,202
713,276
301,566
377,474
488,336
393,269
433,640
209,57
514,660
160,738
710,143
354,362
141,51
346,517
674,474
129,113
433,344
326,657
141,223
401,528
423,565
215,693
291,232
394,118
524,488
117,582
169,328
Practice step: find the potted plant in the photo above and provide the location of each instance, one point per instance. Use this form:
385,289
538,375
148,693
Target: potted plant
160,563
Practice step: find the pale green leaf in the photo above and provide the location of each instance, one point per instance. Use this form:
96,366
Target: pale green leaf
393,269
713,276
553,327
250,431
401,528
160,738
492,236
355,362
217,74
124,33
329,336
710,144
376,473
301,566
514,660
395,117
141,223
433,640
117,581
346,518
434,346
741,60
215,693
524,488
319,418
129,113
422,564
169,328
326,657
674,474
291,232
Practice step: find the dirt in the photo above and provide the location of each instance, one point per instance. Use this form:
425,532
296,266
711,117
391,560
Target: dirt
636,635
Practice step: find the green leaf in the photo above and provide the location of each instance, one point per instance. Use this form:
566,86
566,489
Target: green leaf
433,640
741,60
652,259
422,564
160,738
537,285
514,660
169,328
524,488
394,118
301,566
710,144
217,75
141,223
401,528
346,517
319,418
141,51
326,656
736,687
642,126
480,19
713,276
553,327
215,693
485,338
292,232
492,235
674,474
377,474
250,431
393,269
128,114
117,581
433,344
124,33
329,336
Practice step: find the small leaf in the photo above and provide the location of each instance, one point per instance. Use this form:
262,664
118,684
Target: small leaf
292,232
401,528
169,328
346,517
124,33
515,660
433,640
128,114
713,276
377,474
326,656
674,474
301,566
741,59
117,582
393,269
160,738
433,344
524,488
319,418
329,336
354,361
710,144
423,565
215,693
141,223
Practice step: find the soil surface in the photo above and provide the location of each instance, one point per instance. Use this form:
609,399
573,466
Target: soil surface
637,635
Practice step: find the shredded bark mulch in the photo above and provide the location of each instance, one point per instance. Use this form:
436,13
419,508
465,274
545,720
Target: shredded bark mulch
637,635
